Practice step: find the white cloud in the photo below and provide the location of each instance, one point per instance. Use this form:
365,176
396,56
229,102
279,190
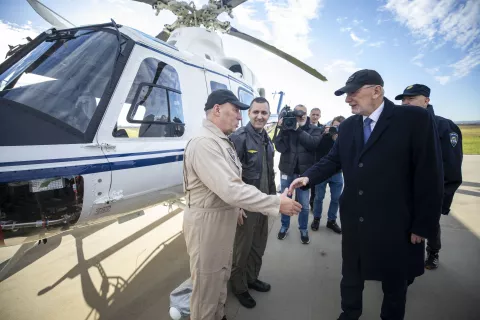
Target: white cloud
416,60
346,66
395,43
14,34
444,18
286,25
360,52
432,71
443,80
341,19
357,22
377,44
463,67
345,29
358,41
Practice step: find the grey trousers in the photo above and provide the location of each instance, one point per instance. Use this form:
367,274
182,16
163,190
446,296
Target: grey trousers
248,249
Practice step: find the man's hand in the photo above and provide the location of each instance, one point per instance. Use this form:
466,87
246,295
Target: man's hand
288,206
297,183
241,215
416,239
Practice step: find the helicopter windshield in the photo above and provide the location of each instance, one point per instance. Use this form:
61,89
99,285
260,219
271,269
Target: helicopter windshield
61,81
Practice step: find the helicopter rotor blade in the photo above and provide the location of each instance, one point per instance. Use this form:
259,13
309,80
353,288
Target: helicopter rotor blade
234,32
233,3
50,16
151,2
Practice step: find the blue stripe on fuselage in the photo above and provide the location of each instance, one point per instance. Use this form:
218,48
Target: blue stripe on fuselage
30,162
25,175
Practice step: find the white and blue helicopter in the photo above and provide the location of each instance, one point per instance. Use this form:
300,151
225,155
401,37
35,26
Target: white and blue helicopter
94,119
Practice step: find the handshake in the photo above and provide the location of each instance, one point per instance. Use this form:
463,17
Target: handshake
288,206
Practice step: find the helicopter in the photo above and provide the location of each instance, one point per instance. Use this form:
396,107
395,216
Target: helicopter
95,118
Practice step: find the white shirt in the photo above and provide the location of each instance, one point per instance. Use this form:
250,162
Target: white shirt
374,116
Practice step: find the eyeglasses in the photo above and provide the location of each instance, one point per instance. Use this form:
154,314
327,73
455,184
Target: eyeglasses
358,90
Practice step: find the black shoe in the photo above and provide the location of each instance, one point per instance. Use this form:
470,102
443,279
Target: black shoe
432,261
259,286
282,234
246,299
315,224
332,224
304,237
224,318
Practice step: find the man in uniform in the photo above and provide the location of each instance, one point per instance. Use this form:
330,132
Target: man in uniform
392,165
214,192
255,150
452,155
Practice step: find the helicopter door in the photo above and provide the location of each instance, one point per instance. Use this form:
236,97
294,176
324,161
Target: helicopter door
145,126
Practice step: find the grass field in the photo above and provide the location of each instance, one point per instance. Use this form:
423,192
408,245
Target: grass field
471,139
470,135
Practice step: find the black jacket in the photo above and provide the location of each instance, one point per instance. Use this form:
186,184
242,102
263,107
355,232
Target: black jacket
297,148
250,148
452,155
393,188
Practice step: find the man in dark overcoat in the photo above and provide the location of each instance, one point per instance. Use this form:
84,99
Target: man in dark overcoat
392,198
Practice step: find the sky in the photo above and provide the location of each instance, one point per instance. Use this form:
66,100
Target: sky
432,42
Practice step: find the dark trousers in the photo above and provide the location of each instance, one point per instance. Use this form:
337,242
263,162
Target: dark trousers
434,244
394,297
248,249
312,196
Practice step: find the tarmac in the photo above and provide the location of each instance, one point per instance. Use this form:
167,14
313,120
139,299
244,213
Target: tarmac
126,269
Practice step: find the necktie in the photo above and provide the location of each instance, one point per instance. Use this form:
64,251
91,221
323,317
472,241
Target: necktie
367,130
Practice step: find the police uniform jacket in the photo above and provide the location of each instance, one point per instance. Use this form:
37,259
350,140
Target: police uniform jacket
251,147
393,188
452,155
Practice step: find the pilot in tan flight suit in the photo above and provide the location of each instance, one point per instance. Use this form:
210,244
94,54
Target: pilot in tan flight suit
215,193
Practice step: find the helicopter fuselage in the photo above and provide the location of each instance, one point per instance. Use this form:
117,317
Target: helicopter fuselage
94,121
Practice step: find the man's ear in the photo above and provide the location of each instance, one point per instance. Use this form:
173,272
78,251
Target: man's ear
427,100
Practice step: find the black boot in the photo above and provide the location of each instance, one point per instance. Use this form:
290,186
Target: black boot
259,286
315,224
332,224
432,260
246,299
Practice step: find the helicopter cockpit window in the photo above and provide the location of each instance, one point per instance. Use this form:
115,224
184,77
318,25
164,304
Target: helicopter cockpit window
153,107
217,86
58,86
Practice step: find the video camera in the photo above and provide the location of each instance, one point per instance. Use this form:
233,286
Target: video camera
333,130
289,117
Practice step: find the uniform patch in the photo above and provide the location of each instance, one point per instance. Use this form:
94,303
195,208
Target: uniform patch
232,154
453,139
252,151
409,87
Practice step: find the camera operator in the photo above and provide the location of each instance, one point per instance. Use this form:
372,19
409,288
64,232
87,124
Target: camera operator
335,182
297,141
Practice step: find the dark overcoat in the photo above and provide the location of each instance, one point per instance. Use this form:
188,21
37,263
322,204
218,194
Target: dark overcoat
393,188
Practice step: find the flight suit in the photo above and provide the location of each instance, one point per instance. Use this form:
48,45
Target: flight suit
214,192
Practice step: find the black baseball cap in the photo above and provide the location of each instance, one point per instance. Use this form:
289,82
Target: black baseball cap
414,90
223,96
359,79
